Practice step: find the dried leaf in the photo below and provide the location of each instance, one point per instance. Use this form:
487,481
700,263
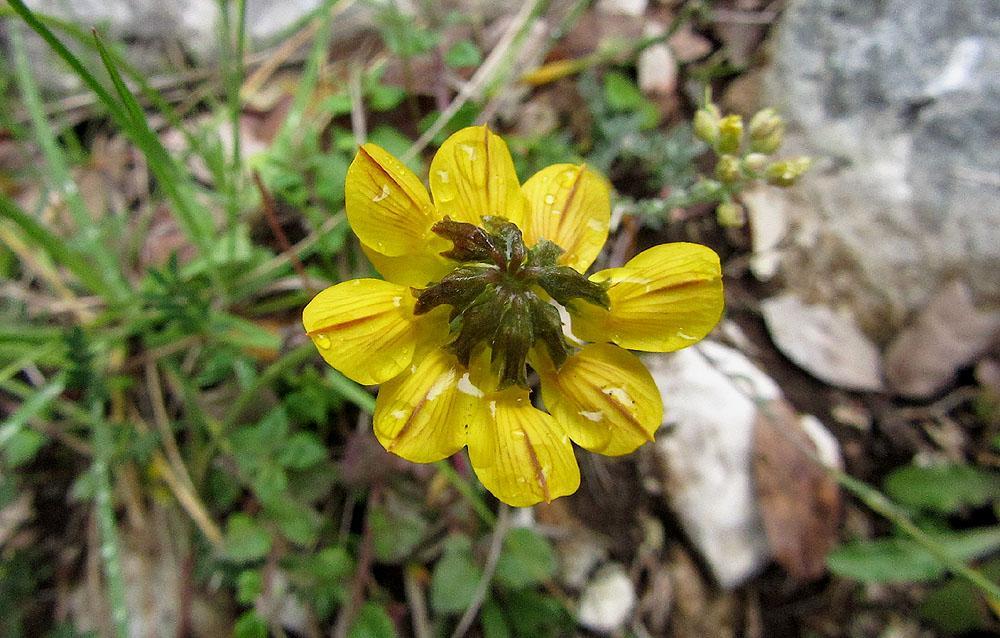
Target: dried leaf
799,502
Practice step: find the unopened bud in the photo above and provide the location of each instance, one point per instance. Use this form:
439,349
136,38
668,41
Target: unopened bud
728,170
767,130
730,134
705,190
786,172
730,215
706,123
754,162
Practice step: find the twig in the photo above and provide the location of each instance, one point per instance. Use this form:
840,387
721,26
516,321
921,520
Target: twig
415,602
271,214
363,572
480,79
358,124
496,543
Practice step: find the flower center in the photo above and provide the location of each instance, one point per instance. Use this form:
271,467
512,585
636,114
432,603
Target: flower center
496,295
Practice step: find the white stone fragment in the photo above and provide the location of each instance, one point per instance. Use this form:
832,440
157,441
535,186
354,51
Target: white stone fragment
607,601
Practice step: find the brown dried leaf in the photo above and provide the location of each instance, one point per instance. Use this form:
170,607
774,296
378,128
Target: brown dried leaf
799,501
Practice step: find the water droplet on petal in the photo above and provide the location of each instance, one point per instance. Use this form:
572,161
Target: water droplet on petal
445,191
322,341
382,195
550,199
556,212
443,176
469,150
567,177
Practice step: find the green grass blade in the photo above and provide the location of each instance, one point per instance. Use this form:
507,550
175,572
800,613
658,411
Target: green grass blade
59,173
55,247
170,177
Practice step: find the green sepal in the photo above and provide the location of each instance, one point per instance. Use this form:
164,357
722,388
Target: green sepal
565,284
459,288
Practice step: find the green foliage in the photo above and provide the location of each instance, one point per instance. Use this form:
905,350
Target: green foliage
372,621
944,489
246,540
527,559
455,577
463,53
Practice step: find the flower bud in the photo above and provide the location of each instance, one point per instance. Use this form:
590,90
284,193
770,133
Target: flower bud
767,130
705,190
754,162
730,134
786,172
706,123
728,170
730,215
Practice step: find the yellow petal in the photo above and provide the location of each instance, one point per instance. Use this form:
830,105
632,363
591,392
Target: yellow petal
417,269
422,415
472,175
387,206
605,398
571,206
521,454
365,328
664,299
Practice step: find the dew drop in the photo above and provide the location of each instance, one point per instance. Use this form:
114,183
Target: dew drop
445,191
469,150
382,195
443,176
550,199
556,212
397,301
322,341
567,177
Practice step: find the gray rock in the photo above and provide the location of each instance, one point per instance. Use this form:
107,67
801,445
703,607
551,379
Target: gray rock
899,100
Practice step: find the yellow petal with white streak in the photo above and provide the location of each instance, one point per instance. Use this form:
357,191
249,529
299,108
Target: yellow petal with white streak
664,299
472,175
387,205
605,398
522,455
571,206
364,327
422,415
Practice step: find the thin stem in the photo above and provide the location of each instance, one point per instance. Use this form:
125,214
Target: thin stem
496,544
465,489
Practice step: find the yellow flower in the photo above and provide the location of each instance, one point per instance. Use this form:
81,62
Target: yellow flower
471,282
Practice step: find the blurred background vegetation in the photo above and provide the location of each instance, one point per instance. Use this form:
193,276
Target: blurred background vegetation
176,460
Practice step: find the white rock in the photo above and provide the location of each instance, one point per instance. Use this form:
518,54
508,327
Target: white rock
623,7
704,450
827,446
767,210
826,344
607,601
656,67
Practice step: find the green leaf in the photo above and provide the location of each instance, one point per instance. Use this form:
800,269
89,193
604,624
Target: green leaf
396,530
956,606
463,53
455,577
249,585
494,624
899,560
331,171
246,541
532,613
22,447
621,93
299,523
943,488
302,451
526,559
372,621
250,625
384,97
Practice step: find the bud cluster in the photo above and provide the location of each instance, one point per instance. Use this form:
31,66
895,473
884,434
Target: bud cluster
742,157
499,294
